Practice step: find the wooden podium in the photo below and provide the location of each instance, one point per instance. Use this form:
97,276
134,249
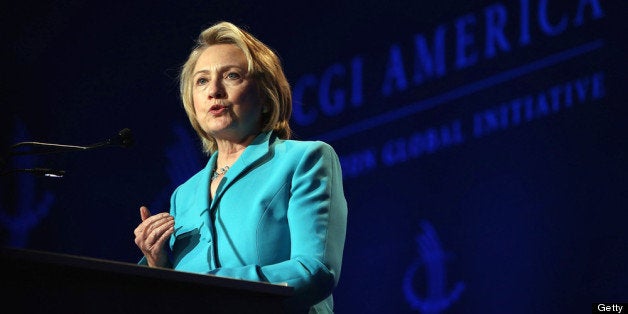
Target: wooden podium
44,282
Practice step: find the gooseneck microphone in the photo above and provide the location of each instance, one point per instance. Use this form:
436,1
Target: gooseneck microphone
124,138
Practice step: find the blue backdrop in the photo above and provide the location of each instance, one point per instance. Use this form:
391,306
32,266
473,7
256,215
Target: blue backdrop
483,143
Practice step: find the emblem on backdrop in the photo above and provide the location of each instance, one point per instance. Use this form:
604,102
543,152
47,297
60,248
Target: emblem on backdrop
436,297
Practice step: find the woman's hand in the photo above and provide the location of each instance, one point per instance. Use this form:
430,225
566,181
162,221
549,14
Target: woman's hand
152,234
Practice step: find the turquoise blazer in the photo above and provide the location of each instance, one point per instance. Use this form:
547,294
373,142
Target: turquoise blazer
279,215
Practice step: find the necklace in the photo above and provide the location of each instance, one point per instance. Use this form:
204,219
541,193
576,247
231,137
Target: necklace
219,172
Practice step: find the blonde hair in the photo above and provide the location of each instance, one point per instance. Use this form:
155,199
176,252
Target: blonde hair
264,66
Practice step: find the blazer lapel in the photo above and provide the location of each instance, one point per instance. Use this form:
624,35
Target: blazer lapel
250,158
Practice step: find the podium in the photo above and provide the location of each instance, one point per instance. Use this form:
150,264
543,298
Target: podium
45,282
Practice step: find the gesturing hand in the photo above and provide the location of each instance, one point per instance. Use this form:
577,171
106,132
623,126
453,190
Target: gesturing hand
151,235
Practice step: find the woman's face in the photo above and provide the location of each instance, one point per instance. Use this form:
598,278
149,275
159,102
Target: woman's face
226,98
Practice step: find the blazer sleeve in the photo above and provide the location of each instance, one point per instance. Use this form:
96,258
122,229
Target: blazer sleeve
317,218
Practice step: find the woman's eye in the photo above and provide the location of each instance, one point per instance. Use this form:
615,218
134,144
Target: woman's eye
201,81
233,76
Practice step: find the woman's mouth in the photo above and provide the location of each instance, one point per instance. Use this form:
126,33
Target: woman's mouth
217,109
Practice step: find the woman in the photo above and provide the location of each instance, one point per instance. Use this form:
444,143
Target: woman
265,208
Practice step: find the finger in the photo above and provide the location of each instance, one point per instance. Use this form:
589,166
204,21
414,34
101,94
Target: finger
154,232
156,217
144,212
155,221
147,220
146,233
158,227
165,232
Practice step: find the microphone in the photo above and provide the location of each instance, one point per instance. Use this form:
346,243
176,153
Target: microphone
124,138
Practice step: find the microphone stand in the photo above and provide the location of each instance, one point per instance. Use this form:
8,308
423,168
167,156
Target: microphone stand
124,138
40,172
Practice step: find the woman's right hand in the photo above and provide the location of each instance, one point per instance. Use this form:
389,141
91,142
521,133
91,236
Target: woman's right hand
152,234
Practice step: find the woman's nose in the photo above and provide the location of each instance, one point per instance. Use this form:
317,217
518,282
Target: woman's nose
216,90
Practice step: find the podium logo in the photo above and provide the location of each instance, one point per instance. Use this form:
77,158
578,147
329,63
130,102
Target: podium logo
431,260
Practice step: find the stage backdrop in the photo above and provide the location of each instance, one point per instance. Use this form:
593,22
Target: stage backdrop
483,143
